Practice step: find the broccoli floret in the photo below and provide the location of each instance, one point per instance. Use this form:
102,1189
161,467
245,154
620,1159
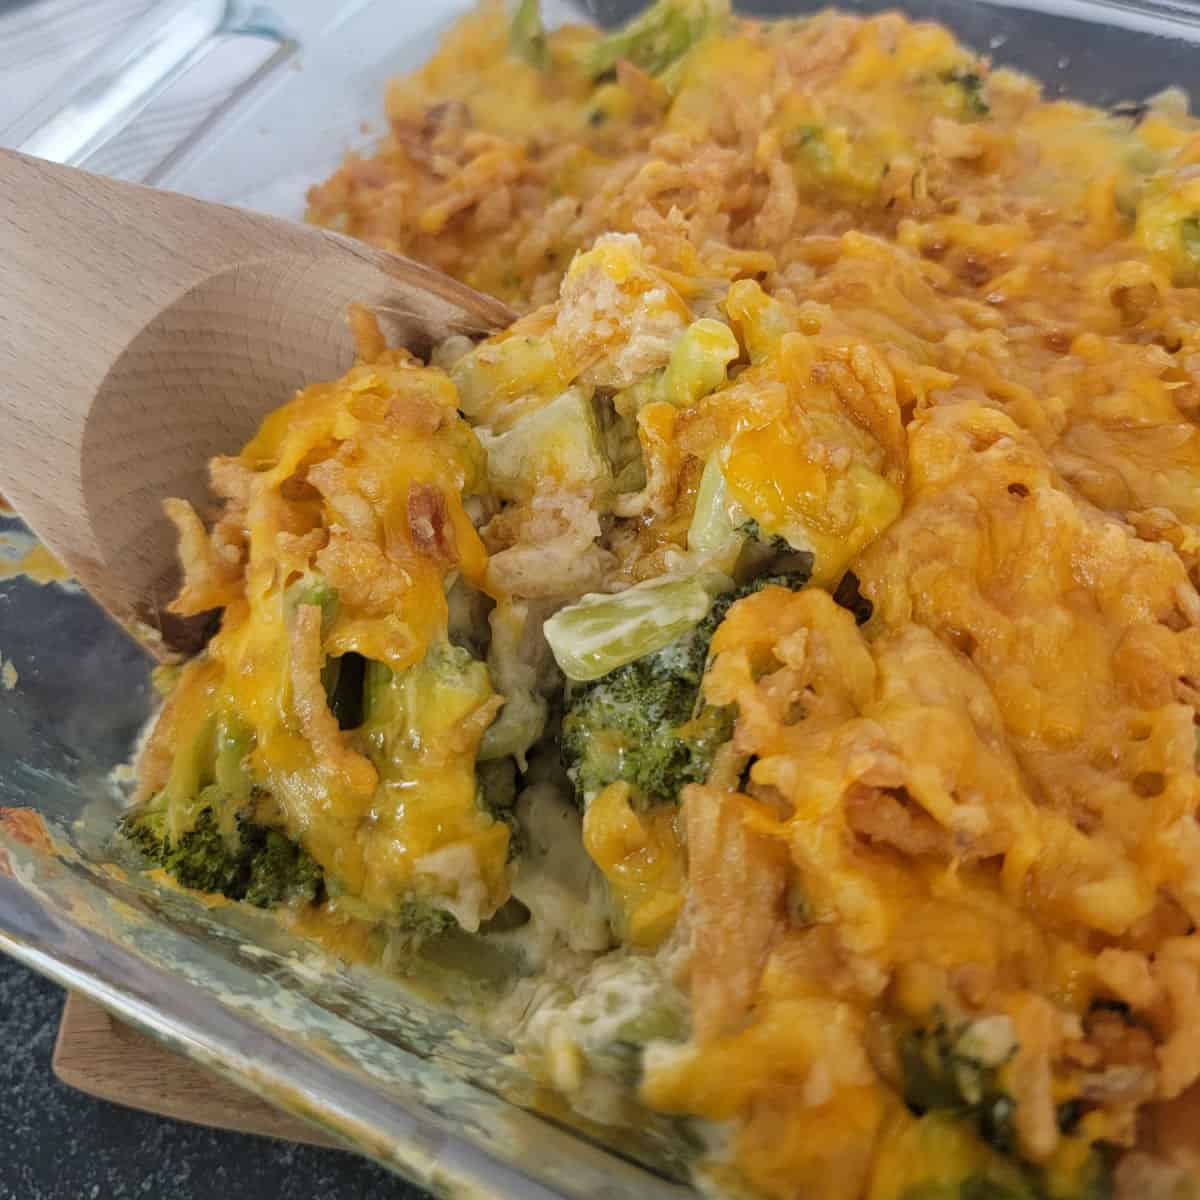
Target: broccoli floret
281,872
497,780
954,1073
255,864
527,36
420,921
941,1156
809,145
626,725
792,580
315,590
752,530
496,794
659,37
645,722
941,1071
970,85
199,859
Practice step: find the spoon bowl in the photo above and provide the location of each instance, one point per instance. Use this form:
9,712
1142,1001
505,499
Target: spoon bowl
142,333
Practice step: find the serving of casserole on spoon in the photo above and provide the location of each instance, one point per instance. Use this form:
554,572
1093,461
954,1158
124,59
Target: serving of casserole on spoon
146,332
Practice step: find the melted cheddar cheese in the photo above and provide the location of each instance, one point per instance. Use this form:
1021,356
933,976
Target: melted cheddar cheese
641,857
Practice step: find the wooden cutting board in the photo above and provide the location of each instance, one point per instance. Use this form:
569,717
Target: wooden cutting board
98,1055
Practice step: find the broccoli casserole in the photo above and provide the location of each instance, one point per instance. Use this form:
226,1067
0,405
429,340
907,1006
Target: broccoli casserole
781,646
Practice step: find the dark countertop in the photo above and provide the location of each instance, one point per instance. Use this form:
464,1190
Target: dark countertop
58,1144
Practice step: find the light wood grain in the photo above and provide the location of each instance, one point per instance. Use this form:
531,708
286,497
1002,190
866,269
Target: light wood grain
104,1058
142,332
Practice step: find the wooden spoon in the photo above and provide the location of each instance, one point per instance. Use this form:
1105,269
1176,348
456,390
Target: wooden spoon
142,332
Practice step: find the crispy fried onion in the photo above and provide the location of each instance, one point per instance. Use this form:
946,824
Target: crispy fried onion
211,570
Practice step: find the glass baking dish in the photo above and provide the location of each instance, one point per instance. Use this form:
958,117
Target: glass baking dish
250,106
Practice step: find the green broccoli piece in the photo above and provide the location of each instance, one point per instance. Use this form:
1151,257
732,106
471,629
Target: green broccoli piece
315,590
255,863
199,859
416,918
659,37
809,144
418,921
970,85
527,36
942,1157
497,781
952,1072
626,726
281,871
941,1071
496,794
645,722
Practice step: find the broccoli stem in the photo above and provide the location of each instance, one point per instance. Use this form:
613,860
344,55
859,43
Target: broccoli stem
527,36
600,633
